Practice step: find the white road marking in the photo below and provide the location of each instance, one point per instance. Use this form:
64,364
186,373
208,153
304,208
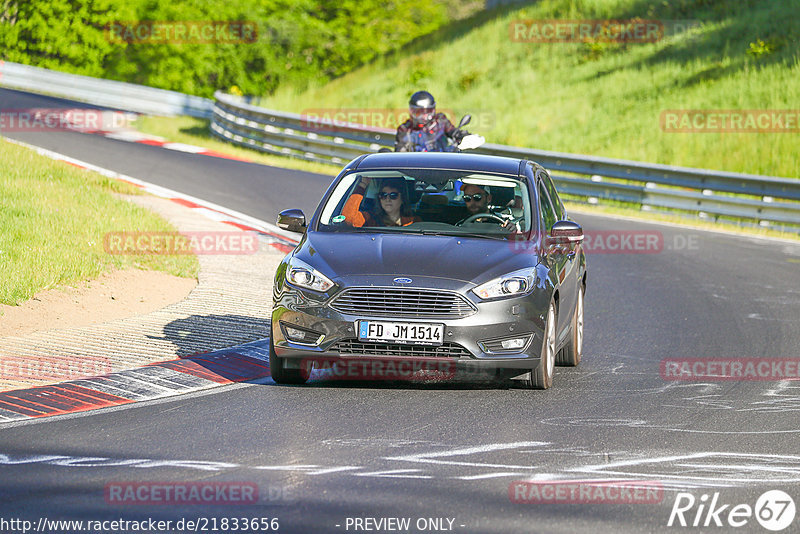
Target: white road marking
393,473
429,457
727,467
133,136
490,475
180,147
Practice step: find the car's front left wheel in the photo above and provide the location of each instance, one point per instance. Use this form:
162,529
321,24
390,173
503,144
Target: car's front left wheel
282,375
570,355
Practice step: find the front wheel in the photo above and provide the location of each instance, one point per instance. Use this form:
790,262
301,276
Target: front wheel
570,356
282,375
541,376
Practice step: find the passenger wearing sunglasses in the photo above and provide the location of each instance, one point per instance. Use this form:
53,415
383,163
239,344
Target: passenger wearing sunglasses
392,208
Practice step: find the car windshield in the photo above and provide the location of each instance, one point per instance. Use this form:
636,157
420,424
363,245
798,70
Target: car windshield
428,201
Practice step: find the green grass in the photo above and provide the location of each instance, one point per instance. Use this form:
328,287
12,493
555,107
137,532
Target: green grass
53,217
599,99
193,131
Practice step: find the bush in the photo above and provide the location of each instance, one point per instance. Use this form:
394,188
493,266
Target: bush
298,41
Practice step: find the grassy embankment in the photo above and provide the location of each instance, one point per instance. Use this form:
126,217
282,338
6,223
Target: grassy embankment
53,217
604,99
599,98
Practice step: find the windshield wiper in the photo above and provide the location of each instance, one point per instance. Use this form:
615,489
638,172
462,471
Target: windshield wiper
461,234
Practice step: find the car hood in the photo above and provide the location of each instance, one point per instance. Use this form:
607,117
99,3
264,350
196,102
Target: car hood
377,256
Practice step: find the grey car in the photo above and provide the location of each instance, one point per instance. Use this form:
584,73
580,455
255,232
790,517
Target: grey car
498,291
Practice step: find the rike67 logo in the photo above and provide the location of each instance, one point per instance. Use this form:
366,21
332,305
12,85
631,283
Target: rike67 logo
774,510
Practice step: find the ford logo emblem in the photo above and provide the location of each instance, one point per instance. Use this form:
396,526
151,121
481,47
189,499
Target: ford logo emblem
402,280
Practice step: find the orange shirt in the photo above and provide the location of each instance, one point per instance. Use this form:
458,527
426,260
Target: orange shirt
358,218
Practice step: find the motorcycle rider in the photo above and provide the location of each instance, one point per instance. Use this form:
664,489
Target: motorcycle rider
426,130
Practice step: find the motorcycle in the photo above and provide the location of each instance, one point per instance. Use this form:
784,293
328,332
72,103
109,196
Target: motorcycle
432,138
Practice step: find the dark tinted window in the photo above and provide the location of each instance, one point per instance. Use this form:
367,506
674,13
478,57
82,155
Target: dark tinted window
558,206
548,214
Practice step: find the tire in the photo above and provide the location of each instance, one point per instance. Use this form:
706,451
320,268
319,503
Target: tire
541,377
280,374
570,356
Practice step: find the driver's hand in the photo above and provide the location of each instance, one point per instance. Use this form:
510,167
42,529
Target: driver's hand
506,223
364,182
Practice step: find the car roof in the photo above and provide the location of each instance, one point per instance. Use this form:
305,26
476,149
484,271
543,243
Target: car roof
440,160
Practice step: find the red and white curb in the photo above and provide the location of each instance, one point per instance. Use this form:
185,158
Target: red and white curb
133,136
274,236
163,379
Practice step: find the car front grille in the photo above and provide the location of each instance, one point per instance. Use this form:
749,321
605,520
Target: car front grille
402,303
353,346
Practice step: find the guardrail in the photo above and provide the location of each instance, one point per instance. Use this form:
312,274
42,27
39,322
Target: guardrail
117,95
766,200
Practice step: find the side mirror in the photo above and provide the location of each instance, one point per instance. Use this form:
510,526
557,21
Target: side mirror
464,120
292,220
383,150
566,232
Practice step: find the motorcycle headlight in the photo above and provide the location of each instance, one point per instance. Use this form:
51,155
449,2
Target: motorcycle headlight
509,285
301,274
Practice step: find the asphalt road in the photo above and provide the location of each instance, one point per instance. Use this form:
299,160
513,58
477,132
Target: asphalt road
444,455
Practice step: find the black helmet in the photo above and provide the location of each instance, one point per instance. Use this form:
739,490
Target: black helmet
422,107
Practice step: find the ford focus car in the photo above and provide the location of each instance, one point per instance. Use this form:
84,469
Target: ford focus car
470,260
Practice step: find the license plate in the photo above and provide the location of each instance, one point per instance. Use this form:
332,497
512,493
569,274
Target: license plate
410,333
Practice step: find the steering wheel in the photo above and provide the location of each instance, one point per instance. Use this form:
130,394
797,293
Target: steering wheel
492,216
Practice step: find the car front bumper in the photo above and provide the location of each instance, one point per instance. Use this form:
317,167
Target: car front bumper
471,343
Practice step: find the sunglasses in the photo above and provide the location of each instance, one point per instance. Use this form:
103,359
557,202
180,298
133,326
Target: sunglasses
392,196
476,197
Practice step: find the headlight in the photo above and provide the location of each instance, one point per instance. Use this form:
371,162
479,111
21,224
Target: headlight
512,284
301,274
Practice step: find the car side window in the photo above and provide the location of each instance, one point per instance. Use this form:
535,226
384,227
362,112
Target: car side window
546,207
558,206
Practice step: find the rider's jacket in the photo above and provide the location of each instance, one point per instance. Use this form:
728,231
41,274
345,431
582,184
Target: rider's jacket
433,136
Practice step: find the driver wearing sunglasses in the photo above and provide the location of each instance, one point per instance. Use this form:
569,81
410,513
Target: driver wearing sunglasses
477,200
392,209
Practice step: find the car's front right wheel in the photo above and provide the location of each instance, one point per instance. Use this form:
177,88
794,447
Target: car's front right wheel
541,376
282,375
